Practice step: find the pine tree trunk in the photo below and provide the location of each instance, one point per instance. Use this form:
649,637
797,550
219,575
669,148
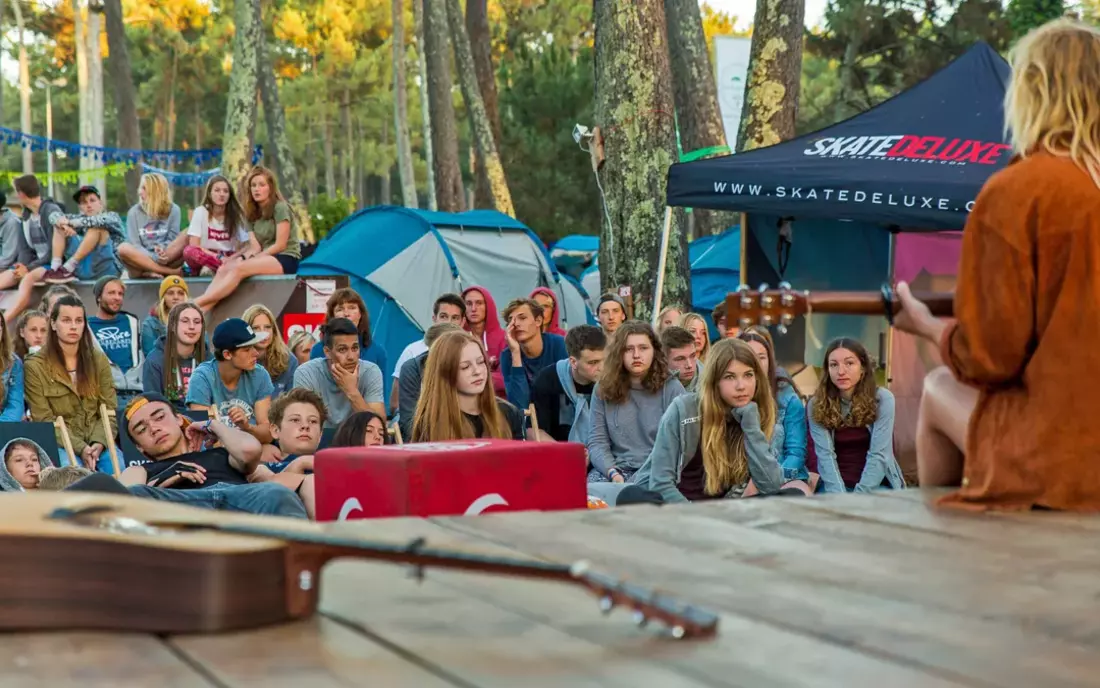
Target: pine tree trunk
3,148
80,46
775,68
634,106
330,161
448,174
487,154
24,88
405,170
696,94
170,130
276,134
240,113
477,28
349,146
425,109
311,158
129,127
386,191
96,106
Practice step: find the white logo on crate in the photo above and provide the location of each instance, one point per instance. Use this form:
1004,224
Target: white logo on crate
435,446
350,505
484,502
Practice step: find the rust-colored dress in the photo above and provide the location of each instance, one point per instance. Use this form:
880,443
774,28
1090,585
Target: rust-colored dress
1028,336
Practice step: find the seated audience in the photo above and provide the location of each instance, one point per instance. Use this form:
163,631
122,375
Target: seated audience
168,369
679,344
116,333
273,353
551,314
274,247
173,290
718,317
789,437
38,232
562,393
12,403
30,333
633,392
343,381
218,232
611,312
187,465
347,303
447,308
852,423
56,479
300,344
232,387
412,374
668,317
457,401
24,462
13,247
529,351
92,233
70,377
482,323
697,326
154,246
296,421
53,293
716,443
360,429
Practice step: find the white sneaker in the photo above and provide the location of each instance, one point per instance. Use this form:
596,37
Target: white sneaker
206,272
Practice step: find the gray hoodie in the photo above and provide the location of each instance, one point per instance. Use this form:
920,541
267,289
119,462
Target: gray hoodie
7,480
678,439
13,245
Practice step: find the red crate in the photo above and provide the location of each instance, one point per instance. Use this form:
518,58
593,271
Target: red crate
449,479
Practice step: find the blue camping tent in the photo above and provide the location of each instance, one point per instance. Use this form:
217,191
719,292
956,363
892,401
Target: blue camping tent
400,260
574,253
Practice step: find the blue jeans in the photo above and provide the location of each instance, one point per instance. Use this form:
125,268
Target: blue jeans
268,499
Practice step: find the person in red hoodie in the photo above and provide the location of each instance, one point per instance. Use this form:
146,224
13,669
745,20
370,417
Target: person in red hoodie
551,314
482,321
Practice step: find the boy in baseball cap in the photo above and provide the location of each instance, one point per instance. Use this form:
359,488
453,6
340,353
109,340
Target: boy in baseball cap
100,234
233,387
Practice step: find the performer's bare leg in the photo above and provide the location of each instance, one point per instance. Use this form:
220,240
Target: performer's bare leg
945,410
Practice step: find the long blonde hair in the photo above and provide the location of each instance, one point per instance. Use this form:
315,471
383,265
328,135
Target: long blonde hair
277,356
725,460
158,197
685,321
1053,101
438,416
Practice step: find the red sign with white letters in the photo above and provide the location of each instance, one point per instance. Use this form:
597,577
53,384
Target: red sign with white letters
295,322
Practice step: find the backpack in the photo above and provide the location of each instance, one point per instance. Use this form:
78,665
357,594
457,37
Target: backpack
581,427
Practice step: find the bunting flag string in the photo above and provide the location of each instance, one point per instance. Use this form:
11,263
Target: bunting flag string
109,154
199,178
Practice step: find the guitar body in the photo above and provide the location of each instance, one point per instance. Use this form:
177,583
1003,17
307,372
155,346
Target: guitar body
56,574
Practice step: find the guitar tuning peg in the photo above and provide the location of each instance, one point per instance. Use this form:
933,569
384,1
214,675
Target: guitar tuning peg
640,619
745,323
784,286
782,329
763,287
606,604
678,632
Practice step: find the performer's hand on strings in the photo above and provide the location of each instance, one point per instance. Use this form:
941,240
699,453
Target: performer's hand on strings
915,317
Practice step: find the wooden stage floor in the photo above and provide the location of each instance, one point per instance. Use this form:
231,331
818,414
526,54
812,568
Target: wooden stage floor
841,591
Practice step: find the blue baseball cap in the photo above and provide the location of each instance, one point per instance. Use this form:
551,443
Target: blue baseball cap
235,333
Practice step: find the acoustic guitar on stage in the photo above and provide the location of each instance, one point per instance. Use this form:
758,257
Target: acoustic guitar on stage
90,561
780,307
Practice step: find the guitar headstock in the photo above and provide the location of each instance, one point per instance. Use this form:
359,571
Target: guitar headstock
766,307
682,620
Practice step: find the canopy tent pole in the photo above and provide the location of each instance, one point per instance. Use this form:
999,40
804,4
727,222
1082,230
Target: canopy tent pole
743,269
661,265
889,353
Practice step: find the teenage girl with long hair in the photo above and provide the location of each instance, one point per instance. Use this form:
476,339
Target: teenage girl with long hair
852,423
12,407
457,399
634,391
218,232
697,326
360,429
154,245
273,353
716,443
30,333
274,247
173,290
70,377
167,370
789,437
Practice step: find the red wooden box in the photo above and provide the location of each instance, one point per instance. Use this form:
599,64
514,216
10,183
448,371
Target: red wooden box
449,478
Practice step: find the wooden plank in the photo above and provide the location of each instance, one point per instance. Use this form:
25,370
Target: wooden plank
92,660
477,641
944,644
746,653
319,653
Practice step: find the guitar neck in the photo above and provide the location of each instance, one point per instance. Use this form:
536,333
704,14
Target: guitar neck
870,303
